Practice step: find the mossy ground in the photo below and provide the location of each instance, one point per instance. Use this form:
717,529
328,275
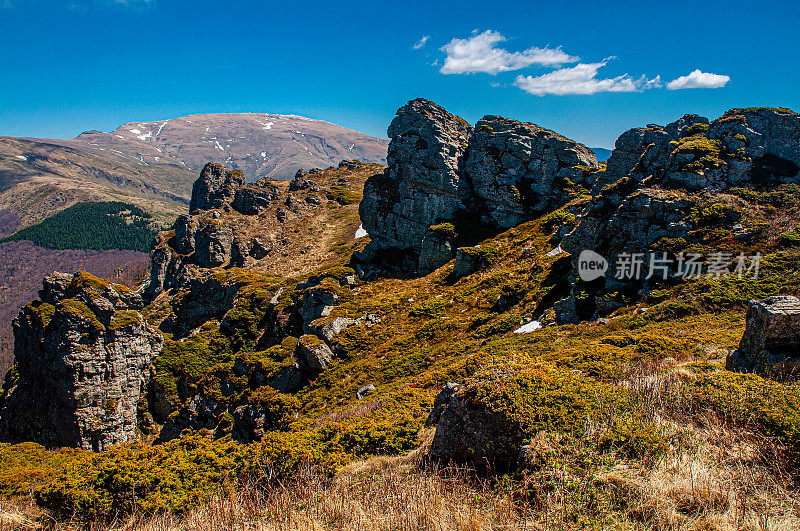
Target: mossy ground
584,385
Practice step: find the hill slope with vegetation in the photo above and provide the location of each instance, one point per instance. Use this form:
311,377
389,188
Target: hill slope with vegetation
291,393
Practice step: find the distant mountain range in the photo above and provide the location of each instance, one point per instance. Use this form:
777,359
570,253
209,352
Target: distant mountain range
601,153
153,164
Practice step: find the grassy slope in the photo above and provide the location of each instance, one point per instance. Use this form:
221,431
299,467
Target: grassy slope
650,433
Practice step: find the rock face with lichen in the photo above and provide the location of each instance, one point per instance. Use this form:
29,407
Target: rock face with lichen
646,201
441,170
81,357
516,170
215,187
421,185
770,345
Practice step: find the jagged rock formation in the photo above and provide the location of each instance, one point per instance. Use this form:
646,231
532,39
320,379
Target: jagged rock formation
515,170
421,185
441,170
644,201
770,345
81,356
255,198
233,224
215,187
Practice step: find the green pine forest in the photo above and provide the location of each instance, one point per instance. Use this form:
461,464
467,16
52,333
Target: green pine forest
100,226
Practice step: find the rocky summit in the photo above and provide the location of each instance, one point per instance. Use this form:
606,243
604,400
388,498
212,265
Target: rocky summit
493,299
442,171
82,360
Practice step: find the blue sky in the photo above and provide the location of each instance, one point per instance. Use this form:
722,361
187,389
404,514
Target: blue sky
73,65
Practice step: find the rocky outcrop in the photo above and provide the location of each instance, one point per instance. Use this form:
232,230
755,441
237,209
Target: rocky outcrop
255,198
313,354
469,432
440,170
301,183
515,170
204,297
643,201
215,187
770,345
82,354
635,225
420,186
213,244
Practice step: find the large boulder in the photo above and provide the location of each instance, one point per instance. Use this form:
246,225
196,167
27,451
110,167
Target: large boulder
770,345
81,354
215,187
420,186
213,243
204,297
515,170
442,172
313,354
255,198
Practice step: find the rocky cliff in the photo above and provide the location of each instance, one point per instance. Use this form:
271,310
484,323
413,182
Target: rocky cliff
441,170
668,188
82,357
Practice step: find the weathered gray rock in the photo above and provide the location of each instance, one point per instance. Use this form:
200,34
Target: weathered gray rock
213,244
185,228
440,170
420,186
316,302
469,260
639,221
436,250
255,198
313,354
260,248
240,252
515,170
301,183
215,187
566,311
82,355
440,403
205,298
770,345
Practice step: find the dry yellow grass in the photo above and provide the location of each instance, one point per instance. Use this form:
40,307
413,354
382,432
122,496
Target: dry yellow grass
716,479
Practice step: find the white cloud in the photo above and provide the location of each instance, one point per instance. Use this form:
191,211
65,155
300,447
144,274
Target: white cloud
420,43
582,79
479,53
698,79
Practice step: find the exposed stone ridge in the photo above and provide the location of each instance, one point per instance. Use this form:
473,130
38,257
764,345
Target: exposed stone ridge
420,185
81,359
652,179
440,170
215,187
201,238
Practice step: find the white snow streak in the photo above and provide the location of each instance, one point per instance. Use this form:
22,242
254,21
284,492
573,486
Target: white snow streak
528,327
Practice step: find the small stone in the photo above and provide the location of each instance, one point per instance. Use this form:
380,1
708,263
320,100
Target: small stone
365,391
